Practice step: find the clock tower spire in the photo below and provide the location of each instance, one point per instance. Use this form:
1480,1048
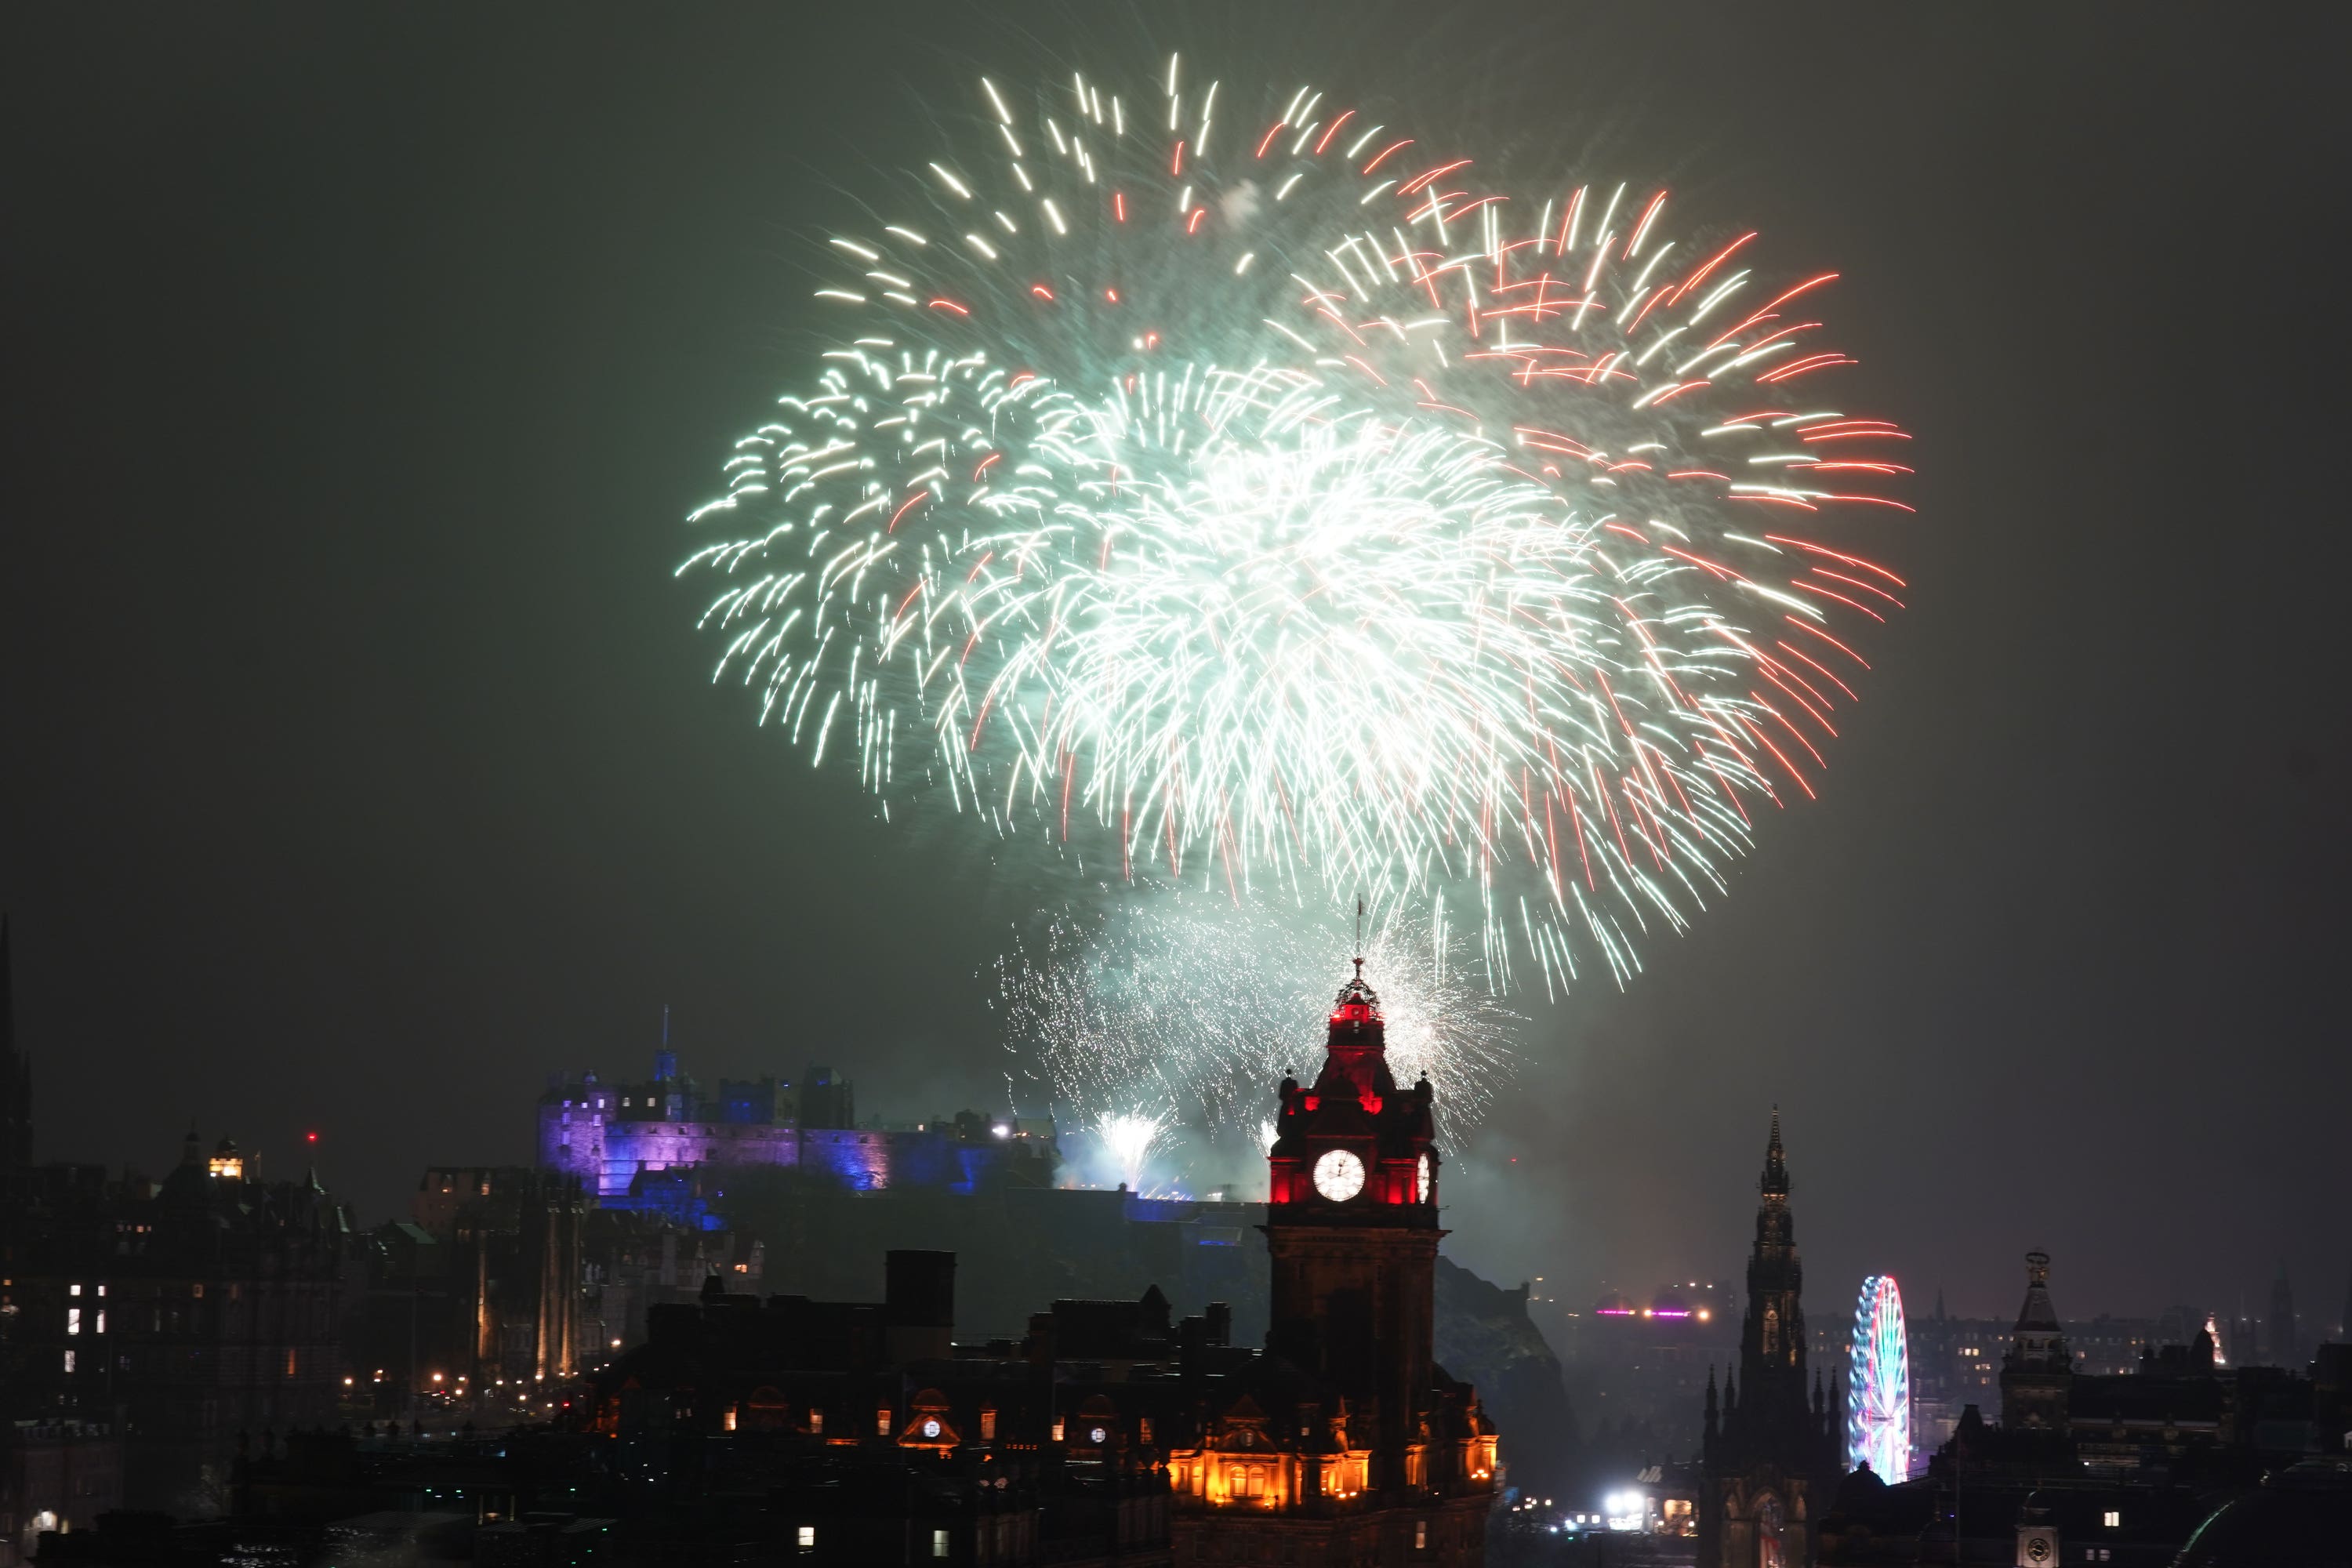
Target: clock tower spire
1352,1223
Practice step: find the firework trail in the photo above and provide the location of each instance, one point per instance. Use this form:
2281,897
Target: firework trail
1188,1002
1237,494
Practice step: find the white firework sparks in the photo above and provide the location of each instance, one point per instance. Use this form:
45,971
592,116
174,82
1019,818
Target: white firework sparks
1192,1004
1275,509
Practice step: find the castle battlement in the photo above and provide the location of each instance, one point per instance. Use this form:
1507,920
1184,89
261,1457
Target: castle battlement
613,1135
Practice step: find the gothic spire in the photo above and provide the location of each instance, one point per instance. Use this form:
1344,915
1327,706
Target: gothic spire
1775,1181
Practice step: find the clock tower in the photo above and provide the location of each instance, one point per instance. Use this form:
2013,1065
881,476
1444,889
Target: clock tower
1352,1223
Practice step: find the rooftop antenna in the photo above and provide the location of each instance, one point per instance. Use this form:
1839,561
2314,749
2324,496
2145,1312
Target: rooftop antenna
664,1025
1360,936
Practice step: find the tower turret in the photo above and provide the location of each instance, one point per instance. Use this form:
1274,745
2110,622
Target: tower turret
1352,1224
2037,1372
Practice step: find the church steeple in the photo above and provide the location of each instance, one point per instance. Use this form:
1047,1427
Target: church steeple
1778,1437
1772,1344
1774,1184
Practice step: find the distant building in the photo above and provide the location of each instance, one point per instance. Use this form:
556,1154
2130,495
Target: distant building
1639,1363
59,1474
2282,1338
508,1279
613,1136
1769,1455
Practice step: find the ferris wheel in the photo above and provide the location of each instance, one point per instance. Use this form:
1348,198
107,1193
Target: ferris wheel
1878,1383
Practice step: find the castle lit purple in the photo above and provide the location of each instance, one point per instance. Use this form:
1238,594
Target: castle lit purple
647,1145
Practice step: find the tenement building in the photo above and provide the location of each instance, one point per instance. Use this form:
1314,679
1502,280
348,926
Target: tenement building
185,1314
1768,1452
1109,1431
146,1326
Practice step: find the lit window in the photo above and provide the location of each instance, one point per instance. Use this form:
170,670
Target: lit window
73,1320
68,1361
807,1538
1057,1428
73,1290
100,1324
731,1419
2113,1519
988,1425
938,1543
816,1420
882,1420
1421,1535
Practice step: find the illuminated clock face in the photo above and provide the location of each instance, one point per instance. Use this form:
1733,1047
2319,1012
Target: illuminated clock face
1339,1175
1420,1181
932,1427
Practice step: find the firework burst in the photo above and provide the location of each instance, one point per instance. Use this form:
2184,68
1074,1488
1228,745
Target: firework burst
1130,1139
1240,496
1189,1003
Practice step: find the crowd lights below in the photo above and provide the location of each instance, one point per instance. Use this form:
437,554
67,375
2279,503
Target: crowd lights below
1669,1303
1626,1510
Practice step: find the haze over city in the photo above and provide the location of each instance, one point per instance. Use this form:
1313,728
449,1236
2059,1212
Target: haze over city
362,770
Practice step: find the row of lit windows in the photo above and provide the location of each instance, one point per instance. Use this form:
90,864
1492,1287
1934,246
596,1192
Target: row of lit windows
885,1425
806,1539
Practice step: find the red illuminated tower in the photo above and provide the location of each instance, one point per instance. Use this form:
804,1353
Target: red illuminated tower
1352,1223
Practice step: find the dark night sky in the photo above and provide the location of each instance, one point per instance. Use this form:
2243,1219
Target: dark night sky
357,765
